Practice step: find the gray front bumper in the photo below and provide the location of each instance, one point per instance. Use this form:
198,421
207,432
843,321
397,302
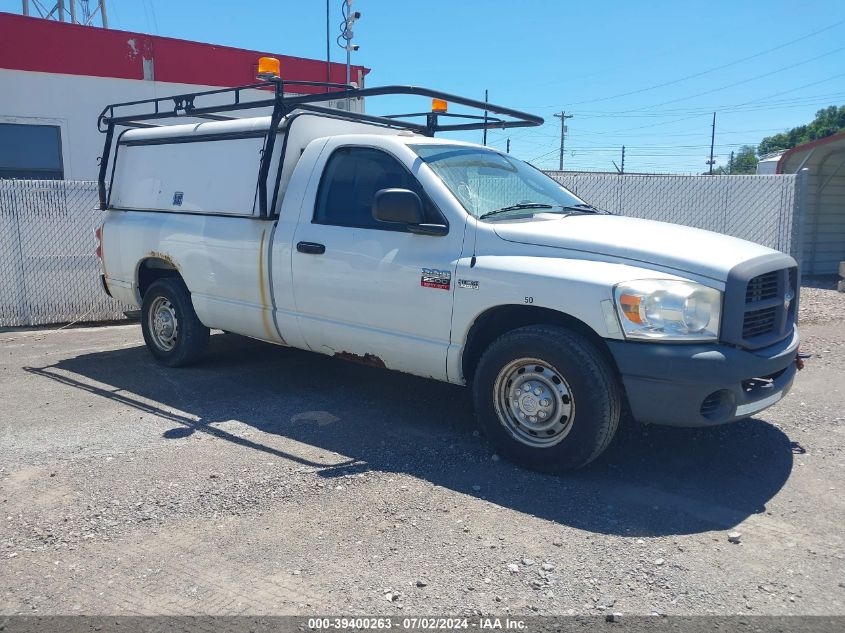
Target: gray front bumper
668,384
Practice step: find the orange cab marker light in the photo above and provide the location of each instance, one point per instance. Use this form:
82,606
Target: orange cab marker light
439,105
268,66
631,307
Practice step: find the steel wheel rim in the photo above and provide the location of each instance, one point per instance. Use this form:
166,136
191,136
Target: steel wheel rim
163,324
534,402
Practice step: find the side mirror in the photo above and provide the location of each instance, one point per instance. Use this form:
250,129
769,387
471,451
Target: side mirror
401,206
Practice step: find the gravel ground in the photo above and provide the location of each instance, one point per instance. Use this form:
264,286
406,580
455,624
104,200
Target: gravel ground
273,481
820,303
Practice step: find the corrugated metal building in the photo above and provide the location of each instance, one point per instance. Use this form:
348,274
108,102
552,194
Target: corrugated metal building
823,235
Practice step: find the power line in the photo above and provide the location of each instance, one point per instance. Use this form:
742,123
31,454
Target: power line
737,83
798,101
782,92
714,69
687,118
822,99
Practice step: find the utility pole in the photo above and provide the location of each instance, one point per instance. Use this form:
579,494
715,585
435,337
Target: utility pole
562,116
72,11
508,147
731,164
620,170
328,47
712,162
484,133
350,17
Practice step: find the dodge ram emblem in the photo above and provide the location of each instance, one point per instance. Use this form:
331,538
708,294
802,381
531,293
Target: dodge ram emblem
787,299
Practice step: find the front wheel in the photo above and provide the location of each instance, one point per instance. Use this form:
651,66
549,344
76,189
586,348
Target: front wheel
547,398
172,331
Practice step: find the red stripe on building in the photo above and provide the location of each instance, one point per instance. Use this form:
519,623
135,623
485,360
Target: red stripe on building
34,44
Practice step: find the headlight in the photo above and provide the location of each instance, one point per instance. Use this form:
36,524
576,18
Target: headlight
665,309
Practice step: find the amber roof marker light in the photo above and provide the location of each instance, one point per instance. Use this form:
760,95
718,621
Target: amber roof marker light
269,68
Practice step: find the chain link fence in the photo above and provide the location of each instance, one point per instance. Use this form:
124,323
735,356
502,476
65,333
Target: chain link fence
762,209
48,270
50,274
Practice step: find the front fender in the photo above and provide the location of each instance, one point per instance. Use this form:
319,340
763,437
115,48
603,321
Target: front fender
577,289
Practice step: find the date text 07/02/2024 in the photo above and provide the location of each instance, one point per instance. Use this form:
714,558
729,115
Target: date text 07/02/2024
429,623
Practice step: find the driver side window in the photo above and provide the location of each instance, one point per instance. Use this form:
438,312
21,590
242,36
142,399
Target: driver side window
350,181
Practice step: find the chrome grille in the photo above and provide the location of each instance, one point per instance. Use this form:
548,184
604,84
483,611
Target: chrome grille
759,322
767,314
762,287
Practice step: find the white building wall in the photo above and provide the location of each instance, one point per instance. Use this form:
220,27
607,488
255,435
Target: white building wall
73,103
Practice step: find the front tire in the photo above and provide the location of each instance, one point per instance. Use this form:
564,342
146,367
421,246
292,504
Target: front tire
547,398
173,333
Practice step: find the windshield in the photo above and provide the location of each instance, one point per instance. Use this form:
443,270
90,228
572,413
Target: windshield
490,184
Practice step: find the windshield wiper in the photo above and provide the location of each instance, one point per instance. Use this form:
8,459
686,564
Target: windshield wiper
517,207
586,208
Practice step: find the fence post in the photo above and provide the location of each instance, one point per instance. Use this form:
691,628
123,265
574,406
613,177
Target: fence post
17,194
799,219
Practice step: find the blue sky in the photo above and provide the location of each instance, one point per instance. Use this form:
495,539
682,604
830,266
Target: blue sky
644,74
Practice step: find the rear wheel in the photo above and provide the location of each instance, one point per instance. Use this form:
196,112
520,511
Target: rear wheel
547,398
172,331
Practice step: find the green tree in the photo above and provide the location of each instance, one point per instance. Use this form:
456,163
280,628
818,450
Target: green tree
745,162
828,121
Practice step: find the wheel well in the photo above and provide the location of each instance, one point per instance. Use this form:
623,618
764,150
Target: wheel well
497,321
152,269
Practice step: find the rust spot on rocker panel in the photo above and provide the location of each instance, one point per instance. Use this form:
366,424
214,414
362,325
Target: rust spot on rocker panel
371,360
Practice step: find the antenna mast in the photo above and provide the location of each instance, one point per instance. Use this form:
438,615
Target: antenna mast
70,11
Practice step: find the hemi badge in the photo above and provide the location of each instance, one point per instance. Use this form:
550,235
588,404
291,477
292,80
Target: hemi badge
469,284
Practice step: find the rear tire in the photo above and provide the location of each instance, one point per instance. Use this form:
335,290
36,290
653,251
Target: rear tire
173,333
547,398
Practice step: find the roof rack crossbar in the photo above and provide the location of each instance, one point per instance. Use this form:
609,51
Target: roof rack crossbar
138,124
477,117
217,117
521,119
367,118
185,106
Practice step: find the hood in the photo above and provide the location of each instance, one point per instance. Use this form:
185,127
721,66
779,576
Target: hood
644,241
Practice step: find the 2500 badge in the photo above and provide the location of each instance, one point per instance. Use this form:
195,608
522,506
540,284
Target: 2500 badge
434,278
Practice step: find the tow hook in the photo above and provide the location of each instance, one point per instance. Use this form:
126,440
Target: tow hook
800,358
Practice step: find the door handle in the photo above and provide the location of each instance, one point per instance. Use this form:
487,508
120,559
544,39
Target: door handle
312,248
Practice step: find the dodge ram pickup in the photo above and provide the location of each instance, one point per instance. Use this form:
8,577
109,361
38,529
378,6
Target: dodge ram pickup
366,238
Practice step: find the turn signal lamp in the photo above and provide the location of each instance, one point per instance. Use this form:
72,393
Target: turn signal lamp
439,105
268,67
631,307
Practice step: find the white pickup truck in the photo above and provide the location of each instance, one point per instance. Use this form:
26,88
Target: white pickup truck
365,238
